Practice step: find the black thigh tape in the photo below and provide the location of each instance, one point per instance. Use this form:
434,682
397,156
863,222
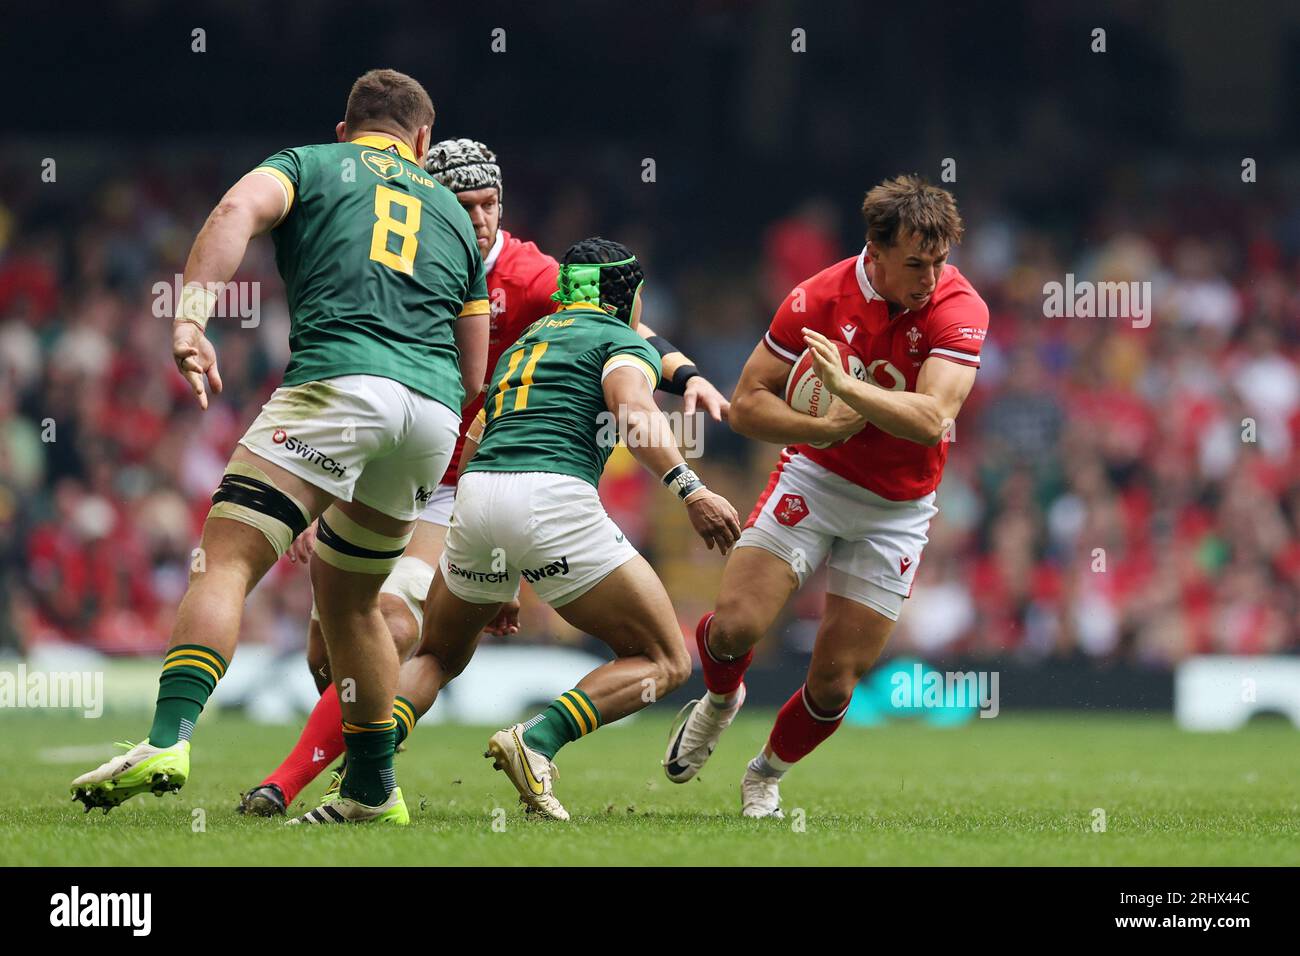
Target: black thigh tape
261,497
328,536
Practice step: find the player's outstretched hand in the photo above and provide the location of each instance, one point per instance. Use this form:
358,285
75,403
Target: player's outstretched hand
714,520
826,360
303,545
507,620
699,390
196,359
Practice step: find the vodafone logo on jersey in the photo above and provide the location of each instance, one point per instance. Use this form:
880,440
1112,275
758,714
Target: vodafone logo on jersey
790,510
279,436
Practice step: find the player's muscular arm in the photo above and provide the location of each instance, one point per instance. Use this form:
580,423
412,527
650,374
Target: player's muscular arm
472,344
652,443
923,416
695,389
672,361
758,408
251,207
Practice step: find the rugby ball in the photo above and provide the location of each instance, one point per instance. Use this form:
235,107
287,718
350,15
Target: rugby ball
804,391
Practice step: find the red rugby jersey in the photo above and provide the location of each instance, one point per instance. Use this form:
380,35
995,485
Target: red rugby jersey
520,281
840,303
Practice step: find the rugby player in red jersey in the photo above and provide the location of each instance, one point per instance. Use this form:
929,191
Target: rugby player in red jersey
521,280
862,504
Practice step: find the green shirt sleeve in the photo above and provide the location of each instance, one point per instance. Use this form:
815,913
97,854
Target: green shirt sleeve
476,300
286,168
631,345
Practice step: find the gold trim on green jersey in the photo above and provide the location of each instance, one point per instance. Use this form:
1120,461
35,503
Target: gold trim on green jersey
378,141
285,182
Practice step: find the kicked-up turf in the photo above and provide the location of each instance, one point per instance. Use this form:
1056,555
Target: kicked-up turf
1022,789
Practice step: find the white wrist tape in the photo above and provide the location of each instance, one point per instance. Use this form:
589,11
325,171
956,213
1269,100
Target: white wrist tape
197,303
682,481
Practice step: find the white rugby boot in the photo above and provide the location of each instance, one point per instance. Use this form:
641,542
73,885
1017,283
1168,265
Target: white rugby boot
695,734
531,772
760,796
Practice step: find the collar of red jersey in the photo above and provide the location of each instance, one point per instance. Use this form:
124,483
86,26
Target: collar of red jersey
494,253
378,141
868,290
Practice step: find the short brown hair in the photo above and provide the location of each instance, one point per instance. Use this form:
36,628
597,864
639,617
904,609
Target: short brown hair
386,97
908,204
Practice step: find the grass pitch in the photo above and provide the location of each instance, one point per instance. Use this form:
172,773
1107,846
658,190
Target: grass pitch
1021,789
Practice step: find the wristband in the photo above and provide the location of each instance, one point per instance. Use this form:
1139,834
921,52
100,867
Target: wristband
197,303
677,384
682,481
662,345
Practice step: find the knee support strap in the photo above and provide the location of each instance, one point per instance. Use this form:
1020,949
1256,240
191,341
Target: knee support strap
246,494
344,544
410,581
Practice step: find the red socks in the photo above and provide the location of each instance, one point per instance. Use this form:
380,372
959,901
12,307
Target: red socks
720,677
320,744
801,726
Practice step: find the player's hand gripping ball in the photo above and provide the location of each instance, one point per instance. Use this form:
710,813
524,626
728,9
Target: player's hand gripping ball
804,389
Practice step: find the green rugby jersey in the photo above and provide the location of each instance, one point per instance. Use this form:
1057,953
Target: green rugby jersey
545,408
378,261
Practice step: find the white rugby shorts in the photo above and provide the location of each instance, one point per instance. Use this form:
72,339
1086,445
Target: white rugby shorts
438,510
359,437
872,545
549,530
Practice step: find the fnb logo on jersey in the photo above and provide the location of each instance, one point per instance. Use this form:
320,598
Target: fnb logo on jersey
533,575
790,510
386,166
303,450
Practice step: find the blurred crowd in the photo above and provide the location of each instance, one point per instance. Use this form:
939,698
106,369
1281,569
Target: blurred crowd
1113,491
